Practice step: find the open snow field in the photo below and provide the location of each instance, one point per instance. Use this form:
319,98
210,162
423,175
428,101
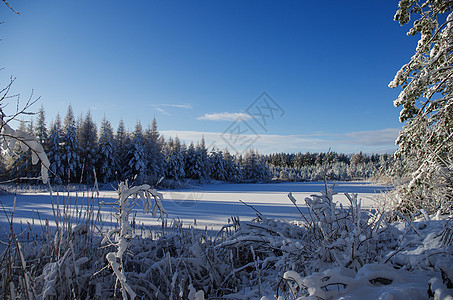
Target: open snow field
203,206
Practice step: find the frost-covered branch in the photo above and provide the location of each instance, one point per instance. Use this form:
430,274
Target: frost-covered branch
127,200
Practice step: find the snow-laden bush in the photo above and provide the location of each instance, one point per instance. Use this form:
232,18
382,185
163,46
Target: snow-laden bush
328,235
417,266
336,251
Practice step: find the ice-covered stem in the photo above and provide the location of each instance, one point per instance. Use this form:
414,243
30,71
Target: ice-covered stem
26,275
358,232
119,273
293,200
127,200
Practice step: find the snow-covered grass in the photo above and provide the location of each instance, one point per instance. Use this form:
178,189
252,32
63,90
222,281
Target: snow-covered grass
309,244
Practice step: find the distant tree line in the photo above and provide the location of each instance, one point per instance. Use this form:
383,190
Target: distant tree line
80,153
331,165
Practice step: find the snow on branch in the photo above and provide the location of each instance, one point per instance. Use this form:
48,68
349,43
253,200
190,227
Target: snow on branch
8,139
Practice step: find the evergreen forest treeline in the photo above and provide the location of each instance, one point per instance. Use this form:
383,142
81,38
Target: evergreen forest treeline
80,153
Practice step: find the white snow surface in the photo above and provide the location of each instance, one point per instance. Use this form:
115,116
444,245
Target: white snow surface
206,206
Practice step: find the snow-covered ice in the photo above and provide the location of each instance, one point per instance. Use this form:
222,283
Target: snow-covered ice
206,206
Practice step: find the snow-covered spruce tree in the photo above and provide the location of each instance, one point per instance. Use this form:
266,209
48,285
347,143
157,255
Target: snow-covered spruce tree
232,168
78,125
254,167
136,157
55,153
154,155
88,145
217,163
426,101
40,129
189,159
174,155
106,156
122,142
206,170
71,153
198,162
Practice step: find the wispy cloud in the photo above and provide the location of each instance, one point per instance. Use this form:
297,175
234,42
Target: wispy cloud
183,106
225,116
375,141
164,107
376,137
161,110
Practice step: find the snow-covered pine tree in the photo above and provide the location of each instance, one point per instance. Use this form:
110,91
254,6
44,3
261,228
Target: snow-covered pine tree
174,156
29,127
79,125
217,164
200,166
162,143
56,150
88,147
122,142
197,168
189,160
168,148
40,129
136,157
426,101
154,153
71,153
40,132
254,167
232,167
249,166
182,149
106,157
204,154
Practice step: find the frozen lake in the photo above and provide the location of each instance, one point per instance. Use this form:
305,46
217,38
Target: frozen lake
206,206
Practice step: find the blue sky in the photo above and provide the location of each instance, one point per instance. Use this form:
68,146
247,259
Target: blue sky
199,65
